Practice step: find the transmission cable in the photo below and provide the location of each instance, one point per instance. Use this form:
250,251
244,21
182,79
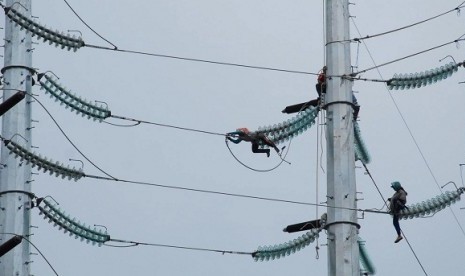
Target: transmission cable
409,130
130,243
283,159
67,137
200,60
137,122
38,250
229,194
374,182
414,254
401,28
87,25
405,57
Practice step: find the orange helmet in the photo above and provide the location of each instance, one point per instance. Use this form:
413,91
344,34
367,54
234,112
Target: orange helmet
244,130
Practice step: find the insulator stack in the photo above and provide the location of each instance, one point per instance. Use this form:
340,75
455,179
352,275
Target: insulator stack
431,206
361,152
366,263
60,39
42,163
266,253
71,226
70,100
286,130
417,80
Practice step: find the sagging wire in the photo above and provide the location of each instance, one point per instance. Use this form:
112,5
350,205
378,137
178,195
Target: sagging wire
69,139
287,130
36,248
283,159
119,125
87,25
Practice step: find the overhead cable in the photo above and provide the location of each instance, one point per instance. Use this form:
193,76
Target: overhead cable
87,25
38,250
131,243
405,57
358,39
67,137
137,122
200,60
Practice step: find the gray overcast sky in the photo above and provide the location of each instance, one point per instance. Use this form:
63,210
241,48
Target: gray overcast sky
282,34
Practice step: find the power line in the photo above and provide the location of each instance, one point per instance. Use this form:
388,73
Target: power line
69,140
414,254
115,48
136,243
145,183
200,60
401,28
87,25
38,250
402,58
137,121
374,182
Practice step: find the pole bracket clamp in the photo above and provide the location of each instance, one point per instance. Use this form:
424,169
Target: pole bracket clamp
31,195
31,70
339,102
327,225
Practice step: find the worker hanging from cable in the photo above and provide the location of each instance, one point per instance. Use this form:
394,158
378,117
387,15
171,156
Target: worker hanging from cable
320,88
257,139
396,204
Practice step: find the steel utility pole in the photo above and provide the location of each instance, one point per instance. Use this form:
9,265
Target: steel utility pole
343,253
15,184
